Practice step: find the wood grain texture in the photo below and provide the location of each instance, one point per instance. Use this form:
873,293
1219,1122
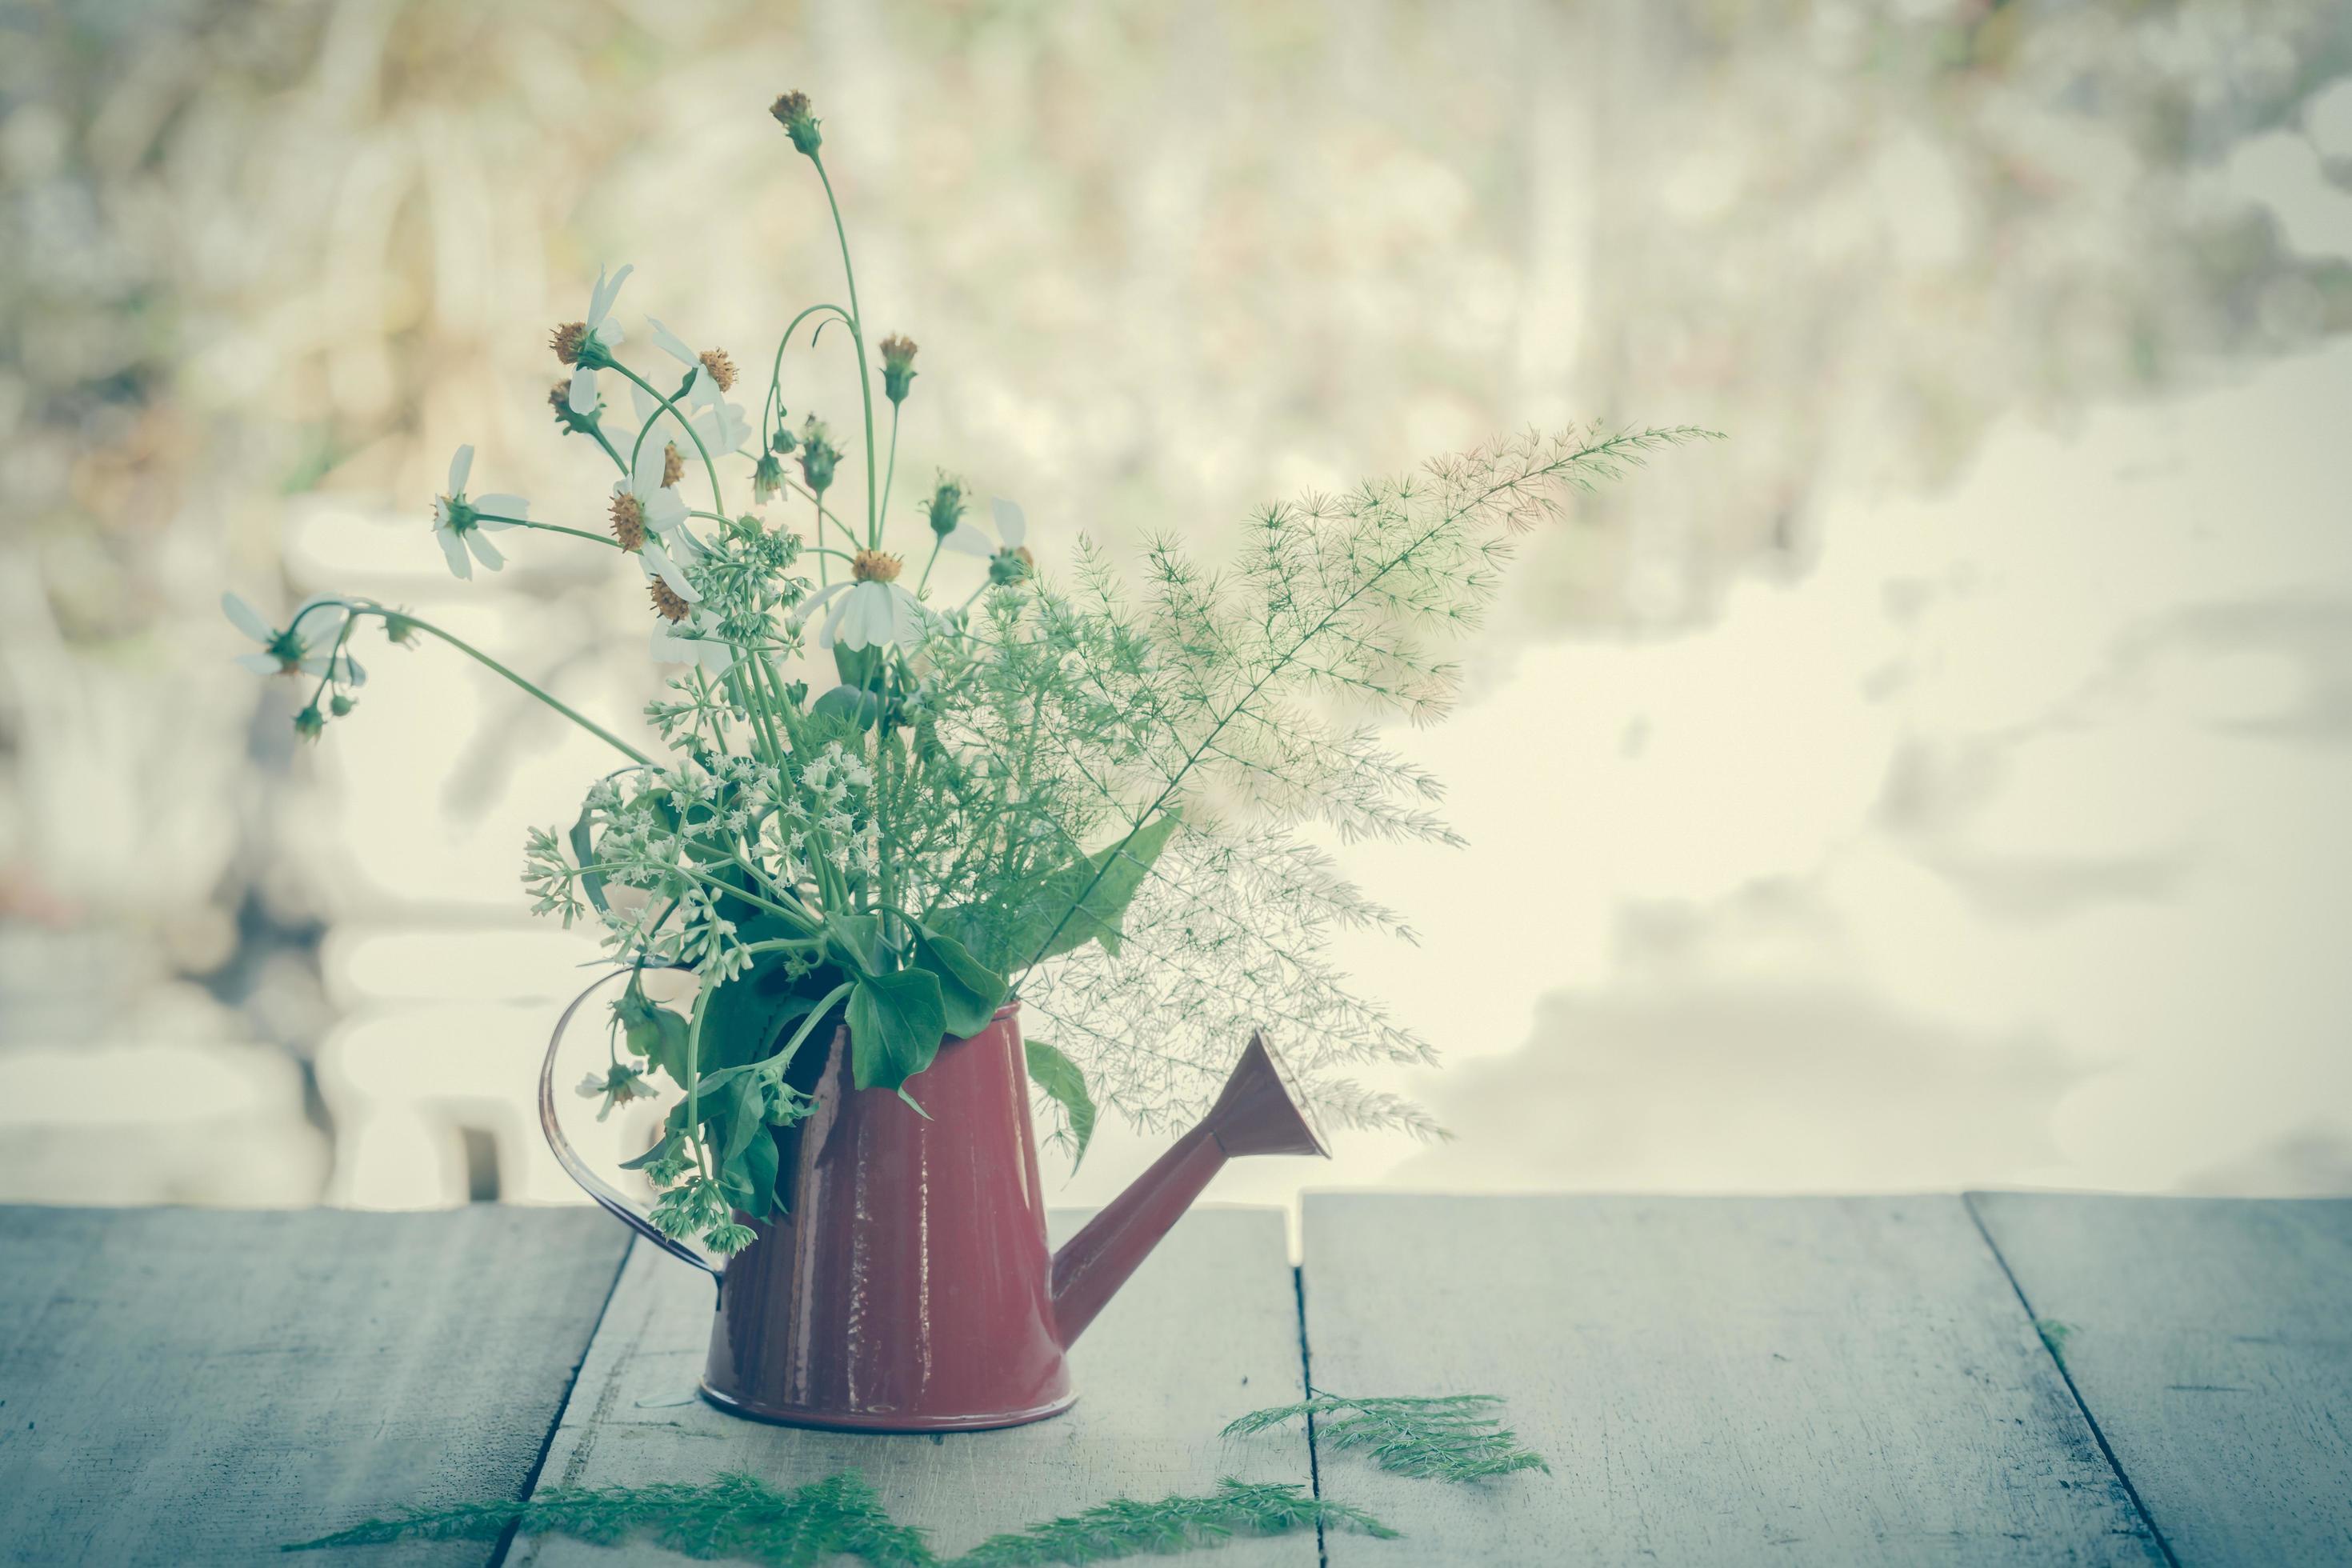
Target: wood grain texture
2211,1339
1782,1380
1206,1330
181,1386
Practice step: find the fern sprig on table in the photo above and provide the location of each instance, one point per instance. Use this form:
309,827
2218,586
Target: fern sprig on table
1125,1528
741,1518
1442,1438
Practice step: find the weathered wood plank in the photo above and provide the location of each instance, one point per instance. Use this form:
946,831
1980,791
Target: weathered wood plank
2211,1339
1714,1381
1206,1330
179,1386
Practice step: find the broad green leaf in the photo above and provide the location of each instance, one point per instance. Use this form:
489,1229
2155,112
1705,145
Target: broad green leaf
667,1143
969,989
1062,1082
850,705
748,1179
895,1025
862,935
1084,901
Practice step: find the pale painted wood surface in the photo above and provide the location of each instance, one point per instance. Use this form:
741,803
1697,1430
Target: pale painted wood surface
1206,1330
1714,1381
2211,1341
187,1387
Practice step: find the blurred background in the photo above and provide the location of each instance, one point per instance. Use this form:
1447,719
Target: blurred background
1939,781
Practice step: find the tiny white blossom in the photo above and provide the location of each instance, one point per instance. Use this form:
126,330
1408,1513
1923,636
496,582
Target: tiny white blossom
290,652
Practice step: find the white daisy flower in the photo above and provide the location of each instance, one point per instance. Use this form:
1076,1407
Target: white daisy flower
693,641
458,524
624,1082
599,332
650,521
714,372
870,609
305,647
1007,554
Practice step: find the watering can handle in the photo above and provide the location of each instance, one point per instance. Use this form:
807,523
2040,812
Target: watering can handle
615,1201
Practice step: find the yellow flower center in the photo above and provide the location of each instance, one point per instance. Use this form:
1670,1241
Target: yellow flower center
872,566
567,340
673,463
666,604
721,368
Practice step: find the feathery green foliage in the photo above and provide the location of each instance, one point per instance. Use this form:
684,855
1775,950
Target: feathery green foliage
736,1516
1442,1438
740,1516
1124,1528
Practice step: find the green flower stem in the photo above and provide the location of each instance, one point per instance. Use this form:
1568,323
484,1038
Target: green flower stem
939,542
776,375
479,656
890,473
857,336
709,467
550,527
784,1057
825,513
619,462
694,1075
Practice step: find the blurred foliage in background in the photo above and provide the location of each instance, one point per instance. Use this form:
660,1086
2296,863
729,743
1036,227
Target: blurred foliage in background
268,263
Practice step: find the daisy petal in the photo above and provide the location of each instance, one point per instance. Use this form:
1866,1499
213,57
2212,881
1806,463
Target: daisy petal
246,619
259,663
671,343
353,675
503,505
601,298
461,468
657,564
583,391
968,541
487,552
808,606
841,626
906,619
455,550
1011,523
665,510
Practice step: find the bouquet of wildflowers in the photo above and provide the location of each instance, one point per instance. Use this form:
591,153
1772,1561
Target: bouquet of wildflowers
866,798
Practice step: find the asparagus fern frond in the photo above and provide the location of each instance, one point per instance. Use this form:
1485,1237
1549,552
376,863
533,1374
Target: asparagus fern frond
1442,1438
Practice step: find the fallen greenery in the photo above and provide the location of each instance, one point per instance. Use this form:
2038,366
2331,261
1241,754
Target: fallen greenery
1441,1437
1446,1437
740,1516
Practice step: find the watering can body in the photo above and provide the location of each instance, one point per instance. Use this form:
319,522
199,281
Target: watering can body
909,1286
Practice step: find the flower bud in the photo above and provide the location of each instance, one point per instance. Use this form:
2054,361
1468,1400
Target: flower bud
767,480
341,703
400,629
1007,567
792,112
311,723
945,509
898,366
818,455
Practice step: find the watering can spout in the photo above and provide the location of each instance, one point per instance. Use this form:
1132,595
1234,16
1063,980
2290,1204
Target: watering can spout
1260,1111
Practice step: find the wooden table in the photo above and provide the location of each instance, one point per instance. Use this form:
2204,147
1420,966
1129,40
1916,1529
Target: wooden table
1713,1380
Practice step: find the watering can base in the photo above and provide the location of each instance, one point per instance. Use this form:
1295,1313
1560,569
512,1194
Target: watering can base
847,1421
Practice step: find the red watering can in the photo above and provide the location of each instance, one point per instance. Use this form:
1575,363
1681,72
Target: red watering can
910,1289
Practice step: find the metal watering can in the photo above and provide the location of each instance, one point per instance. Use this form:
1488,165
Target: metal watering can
910,1288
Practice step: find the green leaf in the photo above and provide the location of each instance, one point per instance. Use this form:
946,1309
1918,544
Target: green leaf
668,1143
895,1025
971,991
1066,1086
584,851
1086,901
861,935
748,1179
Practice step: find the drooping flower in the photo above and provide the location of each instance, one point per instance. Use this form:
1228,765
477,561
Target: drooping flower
305,647
622,1083
458,524
818,455
871,609
694,640
587,346
1008,556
